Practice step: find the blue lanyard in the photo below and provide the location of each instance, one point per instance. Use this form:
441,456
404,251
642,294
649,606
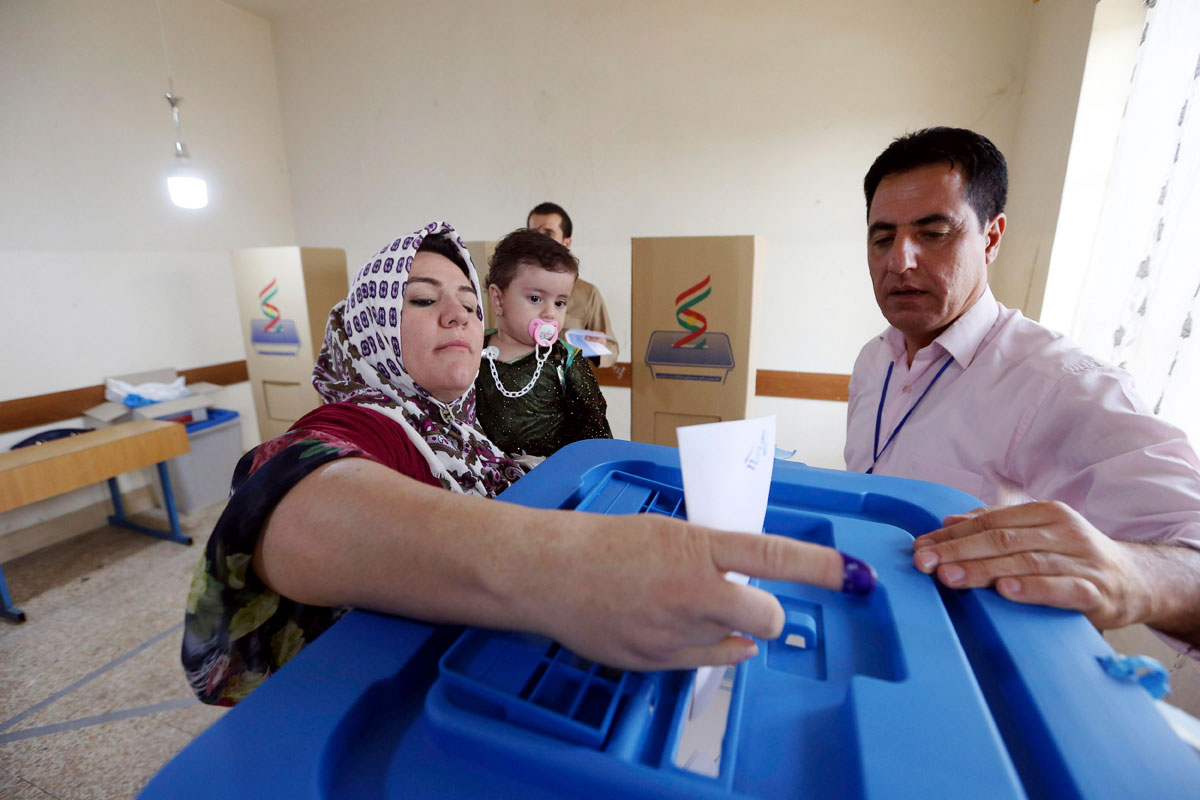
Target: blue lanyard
879,411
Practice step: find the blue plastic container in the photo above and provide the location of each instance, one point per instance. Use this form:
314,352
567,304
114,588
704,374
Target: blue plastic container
201,476
914,691
216,416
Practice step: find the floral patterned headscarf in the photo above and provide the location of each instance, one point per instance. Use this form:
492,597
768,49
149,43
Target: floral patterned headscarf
361,362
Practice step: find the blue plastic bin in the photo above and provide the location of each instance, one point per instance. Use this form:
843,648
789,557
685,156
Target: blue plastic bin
216,417
201,476
915,691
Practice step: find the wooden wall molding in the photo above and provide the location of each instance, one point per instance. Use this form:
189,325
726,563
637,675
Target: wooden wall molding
28,412
803,385
768,383
221,374
619,374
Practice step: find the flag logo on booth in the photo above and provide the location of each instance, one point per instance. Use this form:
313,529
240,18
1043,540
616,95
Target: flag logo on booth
695,353
271,334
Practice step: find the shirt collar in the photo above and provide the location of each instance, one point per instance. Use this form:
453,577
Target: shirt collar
963,338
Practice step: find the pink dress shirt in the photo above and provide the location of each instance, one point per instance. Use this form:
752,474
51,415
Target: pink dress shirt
1021,413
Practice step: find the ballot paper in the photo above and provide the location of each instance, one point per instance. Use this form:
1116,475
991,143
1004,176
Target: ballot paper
726,479
579,338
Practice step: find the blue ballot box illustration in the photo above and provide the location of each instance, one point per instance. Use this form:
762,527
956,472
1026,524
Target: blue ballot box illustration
668,362
281,340
913,691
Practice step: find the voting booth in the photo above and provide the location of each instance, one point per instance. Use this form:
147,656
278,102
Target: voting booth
480,253
284,296
693,350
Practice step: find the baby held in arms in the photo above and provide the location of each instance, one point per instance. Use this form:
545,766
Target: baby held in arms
534,393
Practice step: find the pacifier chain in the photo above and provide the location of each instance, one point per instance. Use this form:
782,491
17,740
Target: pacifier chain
544,333
490,354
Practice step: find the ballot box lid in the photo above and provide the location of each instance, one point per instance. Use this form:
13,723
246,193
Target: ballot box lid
913,691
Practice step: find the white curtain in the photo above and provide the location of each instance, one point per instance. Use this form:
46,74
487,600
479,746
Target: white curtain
1141,294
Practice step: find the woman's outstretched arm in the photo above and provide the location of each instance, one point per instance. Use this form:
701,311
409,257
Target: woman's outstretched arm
639,592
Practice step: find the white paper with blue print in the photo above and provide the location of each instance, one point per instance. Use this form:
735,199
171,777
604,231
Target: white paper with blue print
727,469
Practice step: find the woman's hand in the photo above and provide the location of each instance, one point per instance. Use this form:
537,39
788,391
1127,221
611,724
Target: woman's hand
649,592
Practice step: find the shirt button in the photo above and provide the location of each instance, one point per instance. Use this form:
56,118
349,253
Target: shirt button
907,389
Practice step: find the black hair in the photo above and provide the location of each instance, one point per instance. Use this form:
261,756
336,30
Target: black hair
982,164
443,245
553,208
525,246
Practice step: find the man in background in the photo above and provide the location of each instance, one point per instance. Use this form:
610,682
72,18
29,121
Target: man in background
586,308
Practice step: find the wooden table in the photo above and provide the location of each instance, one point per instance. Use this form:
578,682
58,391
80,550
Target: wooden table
46,470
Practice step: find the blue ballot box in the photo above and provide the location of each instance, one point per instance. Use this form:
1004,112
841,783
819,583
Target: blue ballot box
914,691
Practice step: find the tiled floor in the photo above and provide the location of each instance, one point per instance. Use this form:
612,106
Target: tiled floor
92,696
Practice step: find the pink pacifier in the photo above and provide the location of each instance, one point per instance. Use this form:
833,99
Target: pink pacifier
543,332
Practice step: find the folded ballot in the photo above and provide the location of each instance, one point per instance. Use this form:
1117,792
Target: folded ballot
726,479
579,338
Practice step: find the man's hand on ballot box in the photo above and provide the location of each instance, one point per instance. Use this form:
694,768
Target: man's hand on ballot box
1046,553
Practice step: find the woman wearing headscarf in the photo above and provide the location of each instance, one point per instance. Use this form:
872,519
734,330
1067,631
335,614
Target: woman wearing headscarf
349,509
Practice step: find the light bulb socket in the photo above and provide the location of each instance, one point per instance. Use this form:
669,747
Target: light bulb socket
182,168
185,184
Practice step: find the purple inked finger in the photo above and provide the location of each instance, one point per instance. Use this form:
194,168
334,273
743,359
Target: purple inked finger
858,577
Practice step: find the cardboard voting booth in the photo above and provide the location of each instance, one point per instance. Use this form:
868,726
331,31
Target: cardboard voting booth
284,296
480,253
693,349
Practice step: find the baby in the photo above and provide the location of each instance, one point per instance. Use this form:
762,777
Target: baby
534,393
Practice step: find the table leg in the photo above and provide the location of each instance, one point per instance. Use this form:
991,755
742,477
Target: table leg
174,534
8,611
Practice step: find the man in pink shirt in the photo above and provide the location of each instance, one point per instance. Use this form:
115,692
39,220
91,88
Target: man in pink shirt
1093,503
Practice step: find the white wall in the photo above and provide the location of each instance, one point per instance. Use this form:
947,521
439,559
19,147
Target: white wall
99,273
666,118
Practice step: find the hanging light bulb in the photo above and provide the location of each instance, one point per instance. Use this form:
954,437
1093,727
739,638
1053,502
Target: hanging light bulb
185,184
